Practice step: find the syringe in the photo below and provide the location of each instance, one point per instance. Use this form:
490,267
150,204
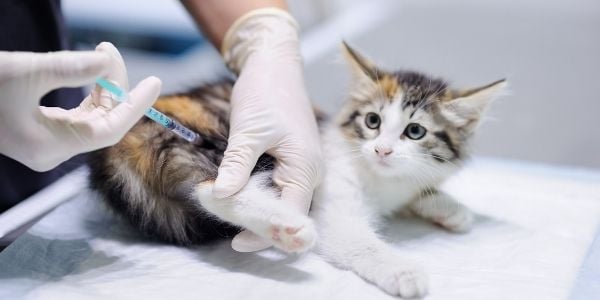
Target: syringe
152,113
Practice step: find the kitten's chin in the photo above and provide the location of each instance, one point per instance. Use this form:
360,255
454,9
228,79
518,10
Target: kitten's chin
384,171
399,168
384,168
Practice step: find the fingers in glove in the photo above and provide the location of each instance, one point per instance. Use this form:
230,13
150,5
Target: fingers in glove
121,118
67,69
247,241
298,175
117,72
297,198
239,160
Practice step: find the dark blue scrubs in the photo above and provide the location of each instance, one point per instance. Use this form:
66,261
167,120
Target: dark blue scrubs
38,26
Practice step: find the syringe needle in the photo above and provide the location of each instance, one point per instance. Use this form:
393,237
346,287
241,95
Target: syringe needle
153,114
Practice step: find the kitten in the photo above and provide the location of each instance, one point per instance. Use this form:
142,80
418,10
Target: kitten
163,184
397,138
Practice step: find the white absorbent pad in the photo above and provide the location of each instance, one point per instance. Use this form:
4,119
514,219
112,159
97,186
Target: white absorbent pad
533,229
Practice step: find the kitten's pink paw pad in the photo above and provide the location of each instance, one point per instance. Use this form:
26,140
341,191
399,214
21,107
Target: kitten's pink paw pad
291,230
275,235
294,238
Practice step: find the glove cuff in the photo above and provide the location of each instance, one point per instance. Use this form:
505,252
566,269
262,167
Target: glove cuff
262,28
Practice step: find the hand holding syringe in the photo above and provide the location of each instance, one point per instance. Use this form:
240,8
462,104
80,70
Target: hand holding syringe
152,113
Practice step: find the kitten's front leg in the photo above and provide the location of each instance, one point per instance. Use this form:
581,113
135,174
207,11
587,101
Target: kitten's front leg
347,240
440,208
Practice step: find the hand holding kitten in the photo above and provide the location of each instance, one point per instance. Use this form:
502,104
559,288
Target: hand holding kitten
270,113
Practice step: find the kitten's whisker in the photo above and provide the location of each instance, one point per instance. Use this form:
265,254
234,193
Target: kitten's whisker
439,91
429,176
426,101
438,157
456,202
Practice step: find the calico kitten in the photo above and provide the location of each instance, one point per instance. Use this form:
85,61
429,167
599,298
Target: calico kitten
397,138
163,184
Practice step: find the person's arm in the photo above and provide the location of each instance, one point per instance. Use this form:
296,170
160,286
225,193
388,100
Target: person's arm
215,17
270,109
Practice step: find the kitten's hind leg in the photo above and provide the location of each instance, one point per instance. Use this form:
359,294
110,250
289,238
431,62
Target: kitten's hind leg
442,209
257,207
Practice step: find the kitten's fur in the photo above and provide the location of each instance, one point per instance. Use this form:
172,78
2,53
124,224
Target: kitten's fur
162,183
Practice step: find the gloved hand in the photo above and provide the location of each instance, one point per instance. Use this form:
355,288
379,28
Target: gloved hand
270,113
43,137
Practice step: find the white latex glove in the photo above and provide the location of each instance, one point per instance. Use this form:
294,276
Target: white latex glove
270,113
43,137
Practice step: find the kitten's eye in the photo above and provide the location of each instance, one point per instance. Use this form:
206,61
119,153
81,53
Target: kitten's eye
372,120
415,131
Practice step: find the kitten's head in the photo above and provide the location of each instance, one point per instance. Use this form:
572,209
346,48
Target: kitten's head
401,122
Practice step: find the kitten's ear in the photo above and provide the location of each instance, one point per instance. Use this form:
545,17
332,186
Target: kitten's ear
361,65
467,107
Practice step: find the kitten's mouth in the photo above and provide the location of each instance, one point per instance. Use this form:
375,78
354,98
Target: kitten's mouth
383,163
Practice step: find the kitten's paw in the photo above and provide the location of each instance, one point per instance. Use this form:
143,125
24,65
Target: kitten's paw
406,281
297,235
460,221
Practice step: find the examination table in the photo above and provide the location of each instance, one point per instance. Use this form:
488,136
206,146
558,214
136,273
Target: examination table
533,238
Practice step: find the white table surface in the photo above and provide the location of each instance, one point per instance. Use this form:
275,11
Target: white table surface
534,229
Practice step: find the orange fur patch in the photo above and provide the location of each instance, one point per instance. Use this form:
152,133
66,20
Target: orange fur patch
135,149
389,85
189,112
137,155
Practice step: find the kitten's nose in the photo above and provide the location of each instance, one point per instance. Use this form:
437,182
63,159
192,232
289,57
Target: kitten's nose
383,151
